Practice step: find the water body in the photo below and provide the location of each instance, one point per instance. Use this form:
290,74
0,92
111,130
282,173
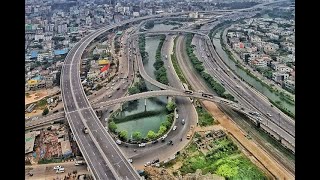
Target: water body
256,84
163,27
144,120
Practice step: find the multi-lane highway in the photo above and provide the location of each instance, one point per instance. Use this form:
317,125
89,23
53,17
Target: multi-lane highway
234,89
252,99
104,157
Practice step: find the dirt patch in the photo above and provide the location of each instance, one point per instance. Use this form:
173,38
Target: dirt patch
177,165
268,162
35,96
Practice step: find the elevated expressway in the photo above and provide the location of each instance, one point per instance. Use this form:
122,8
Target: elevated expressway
103,156
105,159
284,132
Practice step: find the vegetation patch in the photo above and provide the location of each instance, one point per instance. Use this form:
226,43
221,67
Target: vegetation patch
160,71
218,88
176,66
279,105
224,159
142,48
205,119
138,87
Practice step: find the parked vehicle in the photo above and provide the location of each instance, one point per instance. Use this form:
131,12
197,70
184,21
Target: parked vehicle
57,167
164,137
183,122
174,128
155,161
78,163
118,141
142,145
61,170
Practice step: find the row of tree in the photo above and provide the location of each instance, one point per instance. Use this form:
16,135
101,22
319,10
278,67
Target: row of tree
142,47
138,87
161,71
218,88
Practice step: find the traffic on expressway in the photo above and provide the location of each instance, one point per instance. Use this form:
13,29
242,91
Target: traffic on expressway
104,158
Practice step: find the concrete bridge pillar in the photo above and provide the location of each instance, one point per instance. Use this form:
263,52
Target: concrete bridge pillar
145,104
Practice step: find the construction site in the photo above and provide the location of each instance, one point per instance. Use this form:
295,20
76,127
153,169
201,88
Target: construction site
52,143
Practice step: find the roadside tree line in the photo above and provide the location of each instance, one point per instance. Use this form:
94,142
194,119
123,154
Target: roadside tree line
161,71
218,88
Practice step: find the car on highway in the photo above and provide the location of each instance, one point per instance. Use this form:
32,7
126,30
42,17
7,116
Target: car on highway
142,145
174,128
154,142
85,130
57,167
183,122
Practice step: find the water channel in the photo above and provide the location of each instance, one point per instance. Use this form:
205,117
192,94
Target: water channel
144,120
256,84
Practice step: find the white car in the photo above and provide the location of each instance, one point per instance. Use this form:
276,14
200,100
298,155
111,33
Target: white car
57,167
147,164
118,141
142,145
130,160
164,137
269,114
61,170
174,128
